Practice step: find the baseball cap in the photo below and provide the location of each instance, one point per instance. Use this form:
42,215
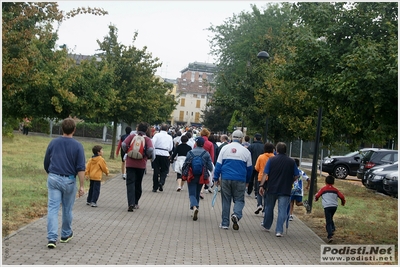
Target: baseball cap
237,134
200,141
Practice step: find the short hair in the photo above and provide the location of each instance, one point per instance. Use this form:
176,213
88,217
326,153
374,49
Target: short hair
128,130
184,138
205,132
211,138
281,148
297,162
330,179
143,126
96,149
257,136
68,126
224,137
188,134
247,138
269,148
179,133
164,127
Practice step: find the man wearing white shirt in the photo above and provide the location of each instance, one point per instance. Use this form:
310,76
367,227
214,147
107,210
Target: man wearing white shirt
163,145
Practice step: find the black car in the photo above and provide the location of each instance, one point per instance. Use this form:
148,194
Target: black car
373,178
341,166
390,183
375,158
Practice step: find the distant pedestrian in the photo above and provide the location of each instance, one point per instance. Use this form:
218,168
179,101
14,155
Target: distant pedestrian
64,159
224,141
233,172
180,154
256,149
330,196
128,130
296,196
209,147
95,168
280,173
135,168
196,181
26,125
163,145
260,166
246,143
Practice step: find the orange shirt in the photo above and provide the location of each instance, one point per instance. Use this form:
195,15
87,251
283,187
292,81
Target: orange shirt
260,164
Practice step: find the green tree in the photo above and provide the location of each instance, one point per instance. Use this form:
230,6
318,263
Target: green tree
139,95
35,75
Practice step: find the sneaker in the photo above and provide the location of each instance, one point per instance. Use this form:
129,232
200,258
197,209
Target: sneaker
154,191
94,205
255,197
130,209
306,205
124,176
291,218
51,244
330,239
201,196
259,208
263,228
235,220
66,239
196,211
136,207
88,203
279,234
178,189
223,227
209,190
160,188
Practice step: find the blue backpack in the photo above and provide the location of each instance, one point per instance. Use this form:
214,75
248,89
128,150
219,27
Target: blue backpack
198,164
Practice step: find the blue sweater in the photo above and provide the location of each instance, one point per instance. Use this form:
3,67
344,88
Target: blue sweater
64,156
234,163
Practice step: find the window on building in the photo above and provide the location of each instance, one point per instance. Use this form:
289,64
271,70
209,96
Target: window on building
197,117
182,102
192,76
194,95
200,77
181,114
203,96
198,103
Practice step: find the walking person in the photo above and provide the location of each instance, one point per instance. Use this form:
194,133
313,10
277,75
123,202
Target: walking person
330,195
26,125
128,130
180,153
260,166
135,168
280,172
297,190
63,161
196,181
209,147
256,149
163,145
233,171
95,168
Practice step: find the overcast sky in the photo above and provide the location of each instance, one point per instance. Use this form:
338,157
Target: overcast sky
173,31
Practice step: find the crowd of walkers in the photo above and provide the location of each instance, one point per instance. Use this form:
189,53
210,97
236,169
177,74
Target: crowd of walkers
232,164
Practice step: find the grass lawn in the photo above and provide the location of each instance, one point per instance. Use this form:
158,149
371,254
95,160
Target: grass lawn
367,218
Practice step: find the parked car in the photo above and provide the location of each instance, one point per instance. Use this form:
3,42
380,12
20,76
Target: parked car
341,166
374,158
373,178
390,183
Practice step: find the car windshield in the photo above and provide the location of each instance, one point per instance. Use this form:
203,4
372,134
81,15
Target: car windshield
367,155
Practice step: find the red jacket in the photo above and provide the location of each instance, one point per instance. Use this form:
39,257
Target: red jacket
209,147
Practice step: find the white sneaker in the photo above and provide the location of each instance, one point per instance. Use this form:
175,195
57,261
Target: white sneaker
291,218
259,208
223,227
279,234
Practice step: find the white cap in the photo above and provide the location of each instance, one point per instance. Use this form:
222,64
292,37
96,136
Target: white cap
237,134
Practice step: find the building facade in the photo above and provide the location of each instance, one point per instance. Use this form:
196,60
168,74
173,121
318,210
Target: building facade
193,92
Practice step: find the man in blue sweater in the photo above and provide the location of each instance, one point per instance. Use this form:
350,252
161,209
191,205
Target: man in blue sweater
233,172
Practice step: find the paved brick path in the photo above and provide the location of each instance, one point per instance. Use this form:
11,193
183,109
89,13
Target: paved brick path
161,232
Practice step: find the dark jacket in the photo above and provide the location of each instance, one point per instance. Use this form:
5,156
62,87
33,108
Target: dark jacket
256,149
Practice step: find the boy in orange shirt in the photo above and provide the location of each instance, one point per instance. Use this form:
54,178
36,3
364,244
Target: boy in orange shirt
94,170
260,165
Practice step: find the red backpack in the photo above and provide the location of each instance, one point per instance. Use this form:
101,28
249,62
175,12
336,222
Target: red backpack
136,148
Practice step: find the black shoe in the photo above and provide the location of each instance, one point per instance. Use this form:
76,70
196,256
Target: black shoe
130,208
66,239
160,188
154,190
51,244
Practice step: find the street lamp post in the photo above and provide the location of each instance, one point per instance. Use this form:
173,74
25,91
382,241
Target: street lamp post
314,162
264,55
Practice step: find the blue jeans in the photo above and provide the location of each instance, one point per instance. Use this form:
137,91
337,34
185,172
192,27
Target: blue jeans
259,197
283,203
330,225
61,190
194,194
232,191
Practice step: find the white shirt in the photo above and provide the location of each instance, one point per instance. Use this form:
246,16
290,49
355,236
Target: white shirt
162,143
